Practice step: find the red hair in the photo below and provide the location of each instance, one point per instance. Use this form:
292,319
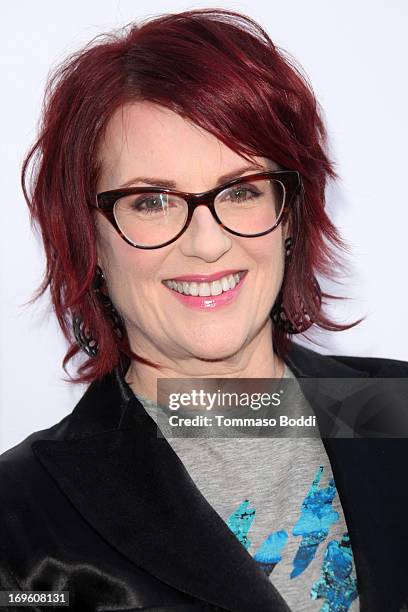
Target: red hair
217,68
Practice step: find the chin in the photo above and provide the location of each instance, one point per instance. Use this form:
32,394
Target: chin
217,352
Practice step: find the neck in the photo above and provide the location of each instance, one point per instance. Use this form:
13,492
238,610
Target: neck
255,360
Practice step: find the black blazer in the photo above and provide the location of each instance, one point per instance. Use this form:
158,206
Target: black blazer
99,506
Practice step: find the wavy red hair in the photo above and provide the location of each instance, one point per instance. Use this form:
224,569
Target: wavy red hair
217,68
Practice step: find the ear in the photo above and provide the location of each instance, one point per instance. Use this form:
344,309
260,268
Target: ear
285,230
98,255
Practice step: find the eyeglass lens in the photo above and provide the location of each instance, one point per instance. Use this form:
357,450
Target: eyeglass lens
153,218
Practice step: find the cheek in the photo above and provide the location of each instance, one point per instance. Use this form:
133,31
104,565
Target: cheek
269,256
118,259
268,252
133,277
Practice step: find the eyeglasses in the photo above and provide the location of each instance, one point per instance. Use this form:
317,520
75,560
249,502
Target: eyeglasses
153,217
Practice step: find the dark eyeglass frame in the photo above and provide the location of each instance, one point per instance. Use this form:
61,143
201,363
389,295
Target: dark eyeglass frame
291,180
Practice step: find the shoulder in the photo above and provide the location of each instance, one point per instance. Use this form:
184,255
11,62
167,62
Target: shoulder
308,362
28,504
20,471
375,366
26,494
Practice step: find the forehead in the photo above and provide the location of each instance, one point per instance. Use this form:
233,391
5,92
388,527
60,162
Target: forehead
144,137
149,127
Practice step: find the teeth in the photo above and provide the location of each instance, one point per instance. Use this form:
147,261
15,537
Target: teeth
205,289
225,284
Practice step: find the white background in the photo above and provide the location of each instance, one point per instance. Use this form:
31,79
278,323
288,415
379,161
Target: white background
355,56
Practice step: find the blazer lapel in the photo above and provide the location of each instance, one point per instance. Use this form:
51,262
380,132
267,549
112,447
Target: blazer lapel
132,488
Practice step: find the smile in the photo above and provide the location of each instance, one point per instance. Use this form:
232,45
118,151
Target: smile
222,285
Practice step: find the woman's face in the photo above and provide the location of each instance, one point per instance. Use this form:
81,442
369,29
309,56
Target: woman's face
146,140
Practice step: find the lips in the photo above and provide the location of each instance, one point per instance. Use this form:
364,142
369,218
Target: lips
202,278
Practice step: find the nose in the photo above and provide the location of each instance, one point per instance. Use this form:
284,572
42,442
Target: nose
204,237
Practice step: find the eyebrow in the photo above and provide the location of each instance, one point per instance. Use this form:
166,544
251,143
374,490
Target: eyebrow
169,184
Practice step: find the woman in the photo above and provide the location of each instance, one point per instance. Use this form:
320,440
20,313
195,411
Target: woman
179,189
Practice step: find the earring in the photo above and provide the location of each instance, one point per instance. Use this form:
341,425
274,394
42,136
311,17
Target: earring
288,247
83,336
82,333
302,321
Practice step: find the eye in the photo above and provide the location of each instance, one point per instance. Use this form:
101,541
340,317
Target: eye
241,192
149,203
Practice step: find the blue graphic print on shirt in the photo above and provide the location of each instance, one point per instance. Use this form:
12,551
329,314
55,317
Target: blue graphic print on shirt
336,586
240,521
317,516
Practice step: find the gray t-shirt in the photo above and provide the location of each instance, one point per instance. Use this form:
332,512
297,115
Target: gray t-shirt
278,497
